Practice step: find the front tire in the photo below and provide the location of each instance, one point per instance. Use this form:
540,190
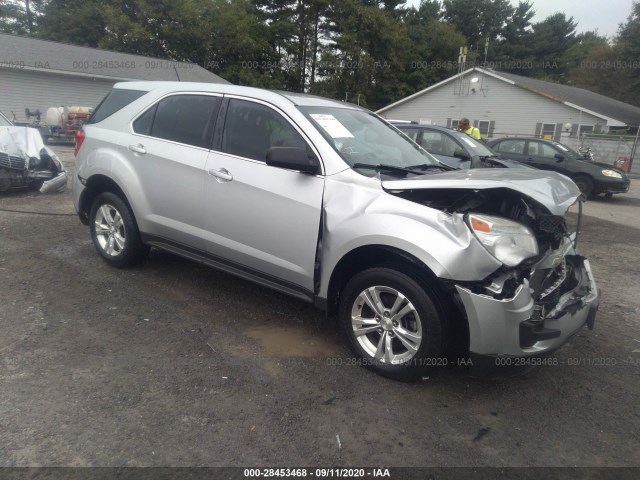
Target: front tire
114,231
391,323
585,184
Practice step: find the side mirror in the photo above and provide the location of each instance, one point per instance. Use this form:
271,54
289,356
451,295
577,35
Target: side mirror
461,154
293,158
559,158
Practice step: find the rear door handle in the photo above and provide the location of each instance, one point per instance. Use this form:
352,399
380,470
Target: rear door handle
221,175
138,149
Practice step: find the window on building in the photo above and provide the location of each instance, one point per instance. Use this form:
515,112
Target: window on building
483,126
548,131
584,129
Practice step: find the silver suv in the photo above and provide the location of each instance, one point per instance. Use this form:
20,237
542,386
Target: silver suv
328,203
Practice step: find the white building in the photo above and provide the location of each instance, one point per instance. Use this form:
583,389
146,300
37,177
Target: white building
39,74
501,104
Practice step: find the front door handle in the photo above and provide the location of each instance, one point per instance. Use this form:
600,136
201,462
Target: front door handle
221,175
138,149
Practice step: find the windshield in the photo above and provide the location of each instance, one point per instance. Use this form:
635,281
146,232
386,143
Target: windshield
568,151
362,138
477,147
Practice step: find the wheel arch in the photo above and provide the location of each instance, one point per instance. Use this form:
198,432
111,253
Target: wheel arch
455,327
370,256
95,185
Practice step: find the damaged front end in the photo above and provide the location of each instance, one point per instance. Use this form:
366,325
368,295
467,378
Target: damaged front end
26,162
543,293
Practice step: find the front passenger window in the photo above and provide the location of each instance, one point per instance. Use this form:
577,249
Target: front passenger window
251,129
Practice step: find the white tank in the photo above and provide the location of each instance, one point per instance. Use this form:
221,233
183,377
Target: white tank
55,116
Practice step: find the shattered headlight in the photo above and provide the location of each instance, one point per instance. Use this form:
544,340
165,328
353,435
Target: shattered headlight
508,241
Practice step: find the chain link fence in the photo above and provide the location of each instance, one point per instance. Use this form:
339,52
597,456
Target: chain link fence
614,150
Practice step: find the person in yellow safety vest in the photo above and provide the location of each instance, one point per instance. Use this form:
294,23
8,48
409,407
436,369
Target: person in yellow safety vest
465,127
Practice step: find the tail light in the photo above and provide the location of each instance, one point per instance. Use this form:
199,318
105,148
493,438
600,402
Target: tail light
80,136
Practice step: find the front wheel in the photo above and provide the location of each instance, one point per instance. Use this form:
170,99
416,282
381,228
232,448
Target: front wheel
391,323
585,184
114,231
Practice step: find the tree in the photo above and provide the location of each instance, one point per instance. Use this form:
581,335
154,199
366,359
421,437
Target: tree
433,47
515,38
628,49
79,23
365,54
478,20
20,17
550,41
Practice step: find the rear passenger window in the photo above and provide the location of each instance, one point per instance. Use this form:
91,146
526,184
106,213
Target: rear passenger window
185,119
251,129
144,122
116,99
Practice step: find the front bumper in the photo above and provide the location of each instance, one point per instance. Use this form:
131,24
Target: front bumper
613,186
515,327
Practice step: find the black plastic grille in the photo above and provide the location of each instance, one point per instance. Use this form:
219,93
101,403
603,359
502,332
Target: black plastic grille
552,224
12,162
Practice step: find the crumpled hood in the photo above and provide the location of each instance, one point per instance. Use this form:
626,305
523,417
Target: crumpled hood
27,143
553,190
23,141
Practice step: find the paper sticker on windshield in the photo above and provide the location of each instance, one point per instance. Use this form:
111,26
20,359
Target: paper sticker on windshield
331,125
469,142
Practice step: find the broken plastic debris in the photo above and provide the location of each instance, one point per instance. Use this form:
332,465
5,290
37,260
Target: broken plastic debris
338,439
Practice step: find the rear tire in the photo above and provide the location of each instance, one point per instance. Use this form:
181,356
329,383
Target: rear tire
114,231
391,323
585,184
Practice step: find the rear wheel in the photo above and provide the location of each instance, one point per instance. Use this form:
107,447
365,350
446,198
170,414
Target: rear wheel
114,231
391,323
585,184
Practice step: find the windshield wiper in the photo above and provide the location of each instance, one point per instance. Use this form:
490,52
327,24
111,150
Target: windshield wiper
388,168
428,166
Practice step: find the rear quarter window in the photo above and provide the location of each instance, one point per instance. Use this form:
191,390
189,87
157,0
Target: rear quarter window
116,99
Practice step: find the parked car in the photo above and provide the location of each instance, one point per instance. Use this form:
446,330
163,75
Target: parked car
26,162
328,203
454,148
592,178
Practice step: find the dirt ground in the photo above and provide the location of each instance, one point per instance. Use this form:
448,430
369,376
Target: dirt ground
175,364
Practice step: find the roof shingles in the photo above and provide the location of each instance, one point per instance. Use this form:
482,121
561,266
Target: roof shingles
24,52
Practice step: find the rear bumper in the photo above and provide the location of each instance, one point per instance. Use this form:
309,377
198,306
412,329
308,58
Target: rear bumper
513,327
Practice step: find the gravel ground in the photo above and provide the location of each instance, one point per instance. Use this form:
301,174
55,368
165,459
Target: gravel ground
175,364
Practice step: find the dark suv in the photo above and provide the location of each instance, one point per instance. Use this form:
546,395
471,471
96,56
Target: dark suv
592,178
453,148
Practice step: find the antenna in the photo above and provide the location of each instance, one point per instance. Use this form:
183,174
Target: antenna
462,60
484,64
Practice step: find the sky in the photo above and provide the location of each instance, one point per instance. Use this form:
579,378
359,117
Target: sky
603,15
